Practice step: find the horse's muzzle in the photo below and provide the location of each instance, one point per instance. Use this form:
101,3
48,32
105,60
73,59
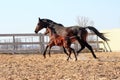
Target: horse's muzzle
36,32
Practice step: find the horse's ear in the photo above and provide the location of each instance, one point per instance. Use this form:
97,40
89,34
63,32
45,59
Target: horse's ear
39,19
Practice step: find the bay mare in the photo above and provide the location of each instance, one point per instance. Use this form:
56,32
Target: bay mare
58,40
80,32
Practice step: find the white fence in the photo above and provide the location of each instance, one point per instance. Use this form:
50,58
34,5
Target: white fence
29,43
20,43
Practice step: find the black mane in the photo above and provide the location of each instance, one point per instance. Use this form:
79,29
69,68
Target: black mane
50,21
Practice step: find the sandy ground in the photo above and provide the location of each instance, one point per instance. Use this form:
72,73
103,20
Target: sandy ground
35,67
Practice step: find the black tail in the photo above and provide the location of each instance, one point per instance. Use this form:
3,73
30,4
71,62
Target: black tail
101,35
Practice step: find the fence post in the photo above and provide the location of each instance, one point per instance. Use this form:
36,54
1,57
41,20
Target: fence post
41,40
39,43
43,43
97,44
13,44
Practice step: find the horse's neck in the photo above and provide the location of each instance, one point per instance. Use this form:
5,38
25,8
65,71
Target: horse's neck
56,26
52,33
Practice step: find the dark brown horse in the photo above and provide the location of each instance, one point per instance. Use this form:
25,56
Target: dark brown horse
80,32
58,40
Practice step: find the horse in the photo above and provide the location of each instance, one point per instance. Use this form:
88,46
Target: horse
80,32
58,40
47,33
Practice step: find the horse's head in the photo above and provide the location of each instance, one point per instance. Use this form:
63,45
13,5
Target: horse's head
44,23
50,30
47,31
40,25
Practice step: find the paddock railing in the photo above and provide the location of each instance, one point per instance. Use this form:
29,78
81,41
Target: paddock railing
35,43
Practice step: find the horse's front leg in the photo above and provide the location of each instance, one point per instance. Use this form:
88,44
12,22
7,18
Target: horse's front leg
44,54
51,43
74,54
49,51
69,53
66,52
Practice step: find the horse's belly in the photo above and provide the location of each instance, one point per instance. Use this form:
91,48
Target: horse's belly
59,42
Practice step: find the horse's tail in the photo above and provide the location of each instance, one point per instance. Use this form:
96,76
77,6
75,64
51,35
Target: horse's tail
101,35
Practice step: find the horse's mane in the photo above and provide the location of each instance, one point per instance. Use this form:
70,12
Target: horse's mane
50,21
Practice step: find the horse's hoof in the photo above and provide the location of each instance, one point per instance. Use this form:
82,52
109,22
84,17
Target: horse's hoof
96,57
67,59
44,56
75,59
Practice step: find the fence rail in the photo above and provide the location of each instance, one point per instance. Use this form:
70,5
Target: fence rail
24,43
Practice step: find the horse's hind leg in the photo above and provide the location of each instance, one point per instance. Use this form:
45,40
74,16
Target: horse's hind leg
71,49
74,54
82,47
90,48
66,52
69,54
83,35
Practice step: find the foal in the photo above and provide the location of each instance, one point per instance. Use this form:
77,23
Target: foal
57,40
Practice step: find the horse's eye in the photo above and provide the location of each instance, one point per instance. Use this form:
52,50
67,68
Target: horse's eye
43,25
